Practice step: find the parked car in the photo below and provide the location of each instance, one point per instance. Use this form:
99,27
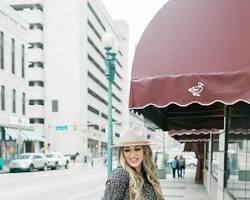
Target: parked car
191,161
29,162
56,160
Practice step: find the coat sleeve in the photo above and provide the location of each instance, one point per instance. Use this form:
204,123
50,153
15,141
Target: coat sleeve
116,185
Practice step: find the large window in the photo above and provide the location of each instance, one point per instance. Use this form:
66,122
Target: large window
1,50
2,97
23,104
94,30
35,26
206,154
54,105
98,97
23,61
36,83
36,6
96,16
238,163
14,101
96,48
93,110
36,102
215,154
35,64
13,70
35,45
37,121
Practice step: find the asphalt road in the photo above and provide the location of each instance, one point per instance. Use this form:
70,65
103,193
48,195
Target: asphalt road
75,183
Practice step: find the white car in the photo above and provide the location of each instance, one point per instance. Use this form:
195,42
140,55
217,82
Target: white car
56,160
29,161
191,161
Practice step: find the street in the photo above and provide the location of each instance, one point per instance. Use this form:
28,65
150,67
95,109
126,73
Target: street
75,183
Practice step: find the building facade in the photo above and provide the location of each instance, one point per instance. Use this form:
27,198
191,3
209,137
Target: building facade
68,88
15,130
227,165
12,66
32,12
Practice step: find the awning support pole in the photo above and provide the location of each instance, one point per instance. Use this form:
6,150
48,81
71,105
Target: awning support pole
227,122
163,151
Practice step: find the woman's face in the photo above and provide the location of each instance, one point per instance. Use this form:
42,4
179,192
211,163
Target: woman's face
133,156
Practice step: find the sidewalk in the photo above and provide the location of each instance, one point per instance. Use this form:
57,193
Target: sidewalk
4,170
183,188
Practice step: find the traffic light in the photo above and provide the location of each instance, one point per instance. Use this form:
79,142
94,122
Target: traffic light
45,145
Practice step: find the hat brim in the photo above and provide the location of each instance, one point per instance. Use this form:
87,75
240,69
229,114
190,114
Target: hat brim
133,144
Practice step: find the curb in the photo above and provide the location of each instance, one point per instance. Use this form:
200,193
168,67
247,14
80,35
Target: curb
4,171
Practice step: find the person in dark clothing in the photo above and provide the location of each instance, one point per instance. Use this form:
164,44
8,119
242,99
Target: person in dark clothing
92,162
182,166
174,165
135,177
85,161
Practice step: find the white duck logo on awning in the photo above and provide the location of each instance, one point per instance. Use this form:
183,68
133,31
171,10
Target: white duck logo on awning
197,89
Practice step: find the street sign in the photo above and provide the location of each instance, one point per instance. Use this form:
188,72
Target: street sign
61,128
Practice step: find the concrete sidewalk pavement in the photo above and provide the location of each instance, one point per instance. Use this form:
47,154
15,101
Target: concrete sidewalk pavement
183,188
4,170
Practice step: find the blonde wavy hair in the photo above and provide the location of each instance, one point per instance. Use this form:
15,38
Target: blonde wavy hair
136,180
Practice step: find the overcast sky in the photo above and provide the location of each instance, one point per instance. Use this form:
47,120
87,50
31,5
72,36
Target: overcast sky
138,13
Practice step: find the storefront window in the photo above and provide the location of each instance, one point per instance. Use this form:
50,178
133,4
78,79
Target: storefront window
9,150
206,154
215,154
238,165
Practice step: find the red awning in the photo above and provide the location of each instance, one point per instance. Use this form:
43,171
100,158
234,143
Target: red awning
201,135
193,135
192,59
194,132
238,134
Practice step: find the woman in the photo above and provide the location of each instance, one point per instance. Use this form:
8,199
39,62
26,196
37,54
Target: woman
182,163
135,178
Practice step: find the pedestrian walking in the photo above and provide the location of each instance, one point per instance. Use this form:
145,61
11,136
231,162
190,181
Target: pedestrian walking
105,160
135,177
182,166
92,162
175,167
85,161
156,159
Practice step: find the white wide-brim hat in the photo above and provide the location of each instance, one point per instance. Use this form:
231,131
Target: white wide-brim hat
133,137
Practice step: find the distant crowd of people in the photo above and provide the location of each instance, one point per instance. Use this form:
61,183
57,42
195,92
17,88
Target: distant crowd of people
178,165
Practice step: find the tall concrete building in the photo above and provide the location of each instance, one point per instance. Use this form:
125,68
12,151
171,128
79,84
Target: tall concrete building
13,82
13,88
16,134
68,88
32,12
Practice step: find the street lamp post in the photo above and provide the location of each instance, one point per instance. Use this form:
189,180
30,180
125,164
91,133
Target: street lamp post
110,47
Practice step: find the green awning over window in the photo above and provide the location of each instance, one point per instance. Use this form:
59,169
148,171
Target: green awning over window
11,134
32,136
24,135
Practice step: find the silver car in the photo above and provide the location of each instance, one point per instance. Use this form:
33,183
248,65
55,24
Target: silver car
56,160
29,162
